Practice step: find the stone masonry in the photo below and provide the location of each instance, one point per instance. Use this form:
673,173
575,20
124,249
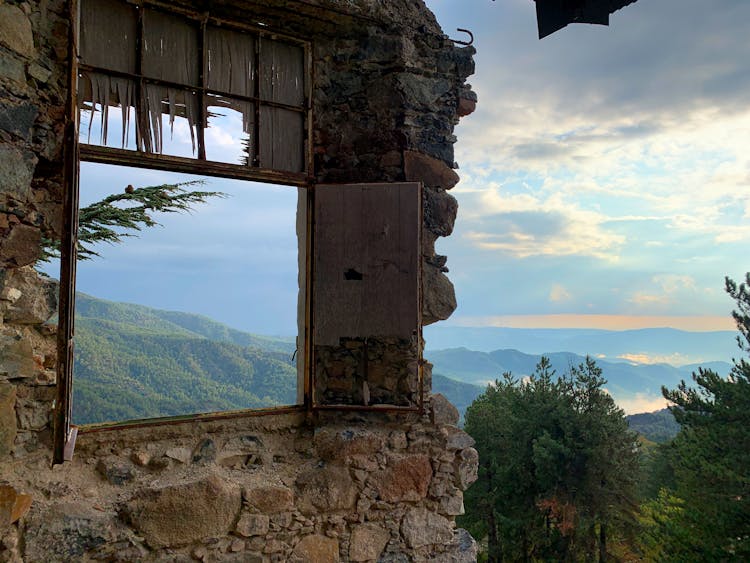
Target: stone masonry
388,89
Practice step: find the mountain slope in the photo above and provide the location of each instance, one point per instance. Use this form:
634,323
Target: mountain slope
624,379
135,362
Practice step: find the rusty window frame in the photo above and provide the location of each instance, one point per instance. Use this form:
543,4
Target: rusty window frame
64,432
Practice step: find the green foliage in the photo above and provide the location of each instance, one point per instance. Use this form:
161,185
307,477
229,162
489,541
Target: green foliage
109,220
710,458
558,467
131,364
659,426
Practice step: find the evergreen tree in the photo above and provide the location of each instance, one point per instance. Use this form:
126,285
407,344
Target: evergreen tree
558,467
109,220
711,457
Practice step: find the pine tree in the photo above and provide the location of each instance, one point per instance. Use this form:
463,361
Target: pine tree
110,219
558,467
711,455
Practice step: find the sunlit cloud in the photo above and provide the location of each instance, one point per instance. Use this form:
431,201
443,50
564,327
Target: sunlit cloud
559,294
671,359
606,322
641,402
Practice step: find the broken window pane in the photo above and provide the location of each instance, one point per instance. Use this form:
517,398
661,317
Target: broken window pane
170,48
231,61
282,139
229,136
108,34
177,110
282,72
97,95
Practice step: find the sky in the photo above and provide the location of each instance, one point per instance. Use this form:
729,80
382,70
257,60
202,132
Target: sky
604,183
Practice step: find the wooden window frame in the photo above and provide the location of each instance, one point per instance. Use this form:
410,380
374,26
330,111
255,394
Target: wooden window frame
64,432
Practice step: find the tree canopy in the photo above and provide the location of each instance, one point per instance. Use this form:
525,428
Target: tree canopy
118,215
558,467
704,515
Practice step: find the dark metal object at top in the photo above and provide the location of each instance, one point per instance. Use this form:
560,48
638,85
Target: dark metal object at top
553,15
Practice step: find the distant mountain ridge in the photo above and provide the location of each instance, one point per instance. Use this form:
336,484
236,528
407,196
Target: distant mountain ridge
624,380
658,342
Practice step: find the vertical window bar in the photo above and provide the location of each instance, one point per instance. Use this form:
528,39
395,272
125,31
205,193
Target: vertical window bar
63,437
203,115
256,156
143,138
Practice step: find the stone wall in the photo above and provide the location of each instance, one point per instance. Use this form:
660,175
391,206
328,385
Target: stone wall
388,89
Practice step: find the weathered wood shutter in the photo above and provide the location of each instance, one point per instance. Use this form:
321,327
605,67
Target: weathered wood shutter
366,294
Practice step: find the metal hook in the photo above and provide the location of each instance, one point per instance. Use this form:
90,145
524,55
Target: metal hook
469,33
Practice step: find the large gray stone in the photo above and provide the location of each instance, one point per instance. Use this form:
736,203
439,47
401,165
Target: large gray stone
421,527
16,172
332,443
8,428
467,467
325,489
16,358
430,171
37,301
21,246
367,542
443,412
18,118
439,295
65,532
15,30
186,513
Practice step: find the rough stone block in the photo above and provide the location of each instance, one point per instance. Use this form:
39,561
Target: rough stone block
65,532
325,489
183,514
252,525
456,439
440,210
18,119
316,549
452,503
269,499
367,542
467,467
335,444
8,428
38,299
406,478
421,527
430,171
443,412
21,246
16,171
13,506
15,30
439,295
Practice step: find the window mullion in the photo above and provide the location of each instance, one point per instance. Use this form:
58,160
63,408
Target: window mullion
142,138
255,157
203,115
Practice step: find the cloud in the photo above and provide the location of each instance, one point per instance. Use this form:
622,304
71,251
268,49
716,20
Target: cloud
671,359
607,322
641,402
559,294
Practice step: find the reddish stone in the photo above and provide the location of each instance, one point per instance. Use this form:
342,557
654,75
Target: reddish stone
406,478
465,107
432,172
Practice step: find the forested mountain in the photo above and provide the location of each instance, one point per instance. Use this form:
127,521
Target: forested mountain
624,379
136,362
659,426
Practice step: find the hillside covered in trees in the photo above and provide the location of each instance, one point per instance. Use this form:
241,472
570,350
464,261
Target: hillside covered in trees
136,362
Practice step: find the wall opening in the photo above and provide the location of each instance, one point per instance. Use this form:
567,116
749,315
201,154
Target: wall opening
198,314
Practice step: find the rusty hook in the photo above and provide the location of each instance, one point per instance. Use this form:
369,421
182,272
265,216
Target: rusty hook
469,33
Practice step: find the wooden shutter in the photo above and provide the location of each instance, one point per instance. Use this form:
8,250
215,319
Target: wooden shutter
366,293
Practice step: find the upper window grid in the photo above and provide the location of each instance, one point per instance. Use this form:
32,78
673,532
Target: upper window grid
127,59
